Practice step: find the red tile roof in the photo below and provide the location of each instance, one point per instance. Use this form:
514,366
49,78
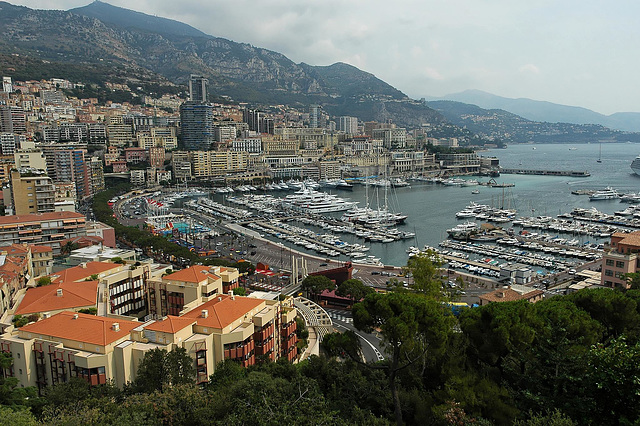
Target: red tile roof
74,295
223,312
38,217
90,329
171,324
192,274
509,295
80,273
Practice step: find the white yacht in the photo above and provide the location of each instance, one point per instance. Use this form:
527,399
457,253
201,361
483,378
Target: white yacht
463,229
313,201
635,165
605,194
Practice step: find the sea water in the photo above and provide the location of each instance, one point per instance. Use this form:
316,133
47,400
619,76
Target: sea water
432,207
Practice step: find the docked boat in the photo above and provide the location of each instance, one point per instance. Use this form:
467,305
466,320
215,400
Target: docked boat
605,194
312,201
463,230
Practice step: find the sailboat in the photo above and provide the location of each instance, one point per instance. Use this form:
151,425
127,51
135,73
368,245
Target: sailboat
599,160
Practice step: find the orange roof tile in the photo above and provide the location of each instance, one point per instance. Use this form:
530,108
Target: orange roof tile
85,328
501,295
192,274
74,295
632,239
223,312
171,324
38,217
41,249
80,273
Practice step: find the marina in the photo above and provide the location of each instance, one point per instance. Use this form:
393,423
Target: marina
539,210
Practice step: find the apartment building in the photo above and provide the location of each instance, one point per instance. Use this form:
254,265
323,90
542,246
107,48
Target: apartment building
169,295
97,349
620,259
32,192
30,158
48,229
218,163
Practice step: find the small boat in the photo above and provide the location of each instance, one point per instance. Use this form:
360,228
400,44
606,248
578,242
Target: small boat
475,191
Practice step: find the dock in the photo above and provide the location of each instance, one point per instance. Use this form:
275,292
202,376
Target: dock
568,173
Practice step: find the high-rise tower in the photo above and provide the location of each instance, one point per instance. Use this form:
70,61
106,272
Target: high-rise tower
198,86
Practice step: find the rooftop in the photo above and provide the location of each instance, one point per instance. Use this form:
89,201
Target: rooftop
82,328
192,274
39,217
83,271
47,298
170,324
223,310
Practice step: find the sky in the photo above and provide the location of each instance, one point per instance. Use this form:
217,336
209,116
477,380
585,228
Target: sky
581,53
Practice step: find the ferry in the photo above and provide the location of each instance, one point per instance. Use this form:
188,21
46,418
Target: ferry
635,165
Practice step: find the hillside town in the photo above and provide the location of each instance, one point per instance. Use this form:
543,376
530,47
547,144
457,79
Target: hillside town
94,294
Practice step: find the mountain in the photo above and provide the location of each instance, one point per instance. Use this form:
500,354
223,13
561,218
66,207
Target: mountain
130,19
501,125
103,35
546,111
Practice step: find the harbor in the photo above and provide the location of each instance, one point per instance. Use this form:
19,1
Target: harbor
513,218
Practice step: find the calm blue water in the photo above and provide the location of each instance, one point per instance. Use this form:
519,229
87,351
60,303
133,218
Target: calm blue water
431,208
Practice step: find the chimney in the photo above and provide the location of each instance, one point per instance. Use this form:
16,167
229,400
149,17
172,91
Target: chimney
75,316
500,294
205,313
115,326
83,265
59,292
230,292
219,299
46,315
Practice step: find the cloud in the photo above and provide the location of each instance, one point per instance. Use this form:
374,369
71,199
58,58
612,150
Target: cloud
425,47
529,69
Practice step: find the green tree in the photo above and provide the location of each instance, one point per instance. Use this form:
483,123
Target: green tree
410,325
17,417
613,381
160,369
68,247
42,281
240,291
314,285
426,272
617,312
353,289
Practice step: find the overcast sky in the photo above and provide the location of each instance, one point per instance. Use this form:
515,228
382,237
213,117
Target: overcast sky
573,52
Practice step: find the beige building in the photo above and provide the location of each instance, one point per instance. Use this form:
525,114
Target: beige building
218,163
32,192
169,294
98,349
48,229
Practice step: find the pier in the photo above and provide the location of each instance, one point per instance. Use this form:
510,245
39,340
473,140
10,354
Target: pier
568,173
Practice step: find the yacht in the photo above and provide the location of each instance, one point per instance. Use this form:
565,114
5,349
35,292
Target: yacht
463,229
605,194
635,165
312,201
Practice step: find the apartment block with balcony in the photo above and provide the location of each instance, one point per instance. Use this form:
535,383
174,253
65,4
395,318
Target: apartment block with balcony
169,295
98,349
32,192
48,229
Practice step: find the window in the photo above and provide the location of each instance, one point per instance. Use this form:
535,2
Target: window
18,355
609,262
20,371
608,272
619,264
